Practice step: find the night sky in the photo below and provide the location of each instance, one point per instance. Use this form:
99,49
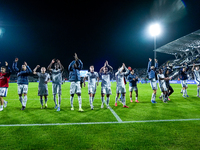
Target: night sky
37,32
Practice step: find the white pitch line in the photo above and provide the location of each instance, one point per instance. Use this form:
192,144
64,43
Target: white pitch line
115,114
90,123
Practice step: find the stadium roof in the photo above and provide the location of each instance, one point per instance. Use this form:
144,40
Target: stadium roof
185,44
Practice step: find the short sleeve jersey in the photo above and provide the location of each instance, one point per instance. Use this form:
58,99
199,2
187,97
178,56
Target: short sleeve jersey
161,76
92,78
196,75
105,79
56,76
43,77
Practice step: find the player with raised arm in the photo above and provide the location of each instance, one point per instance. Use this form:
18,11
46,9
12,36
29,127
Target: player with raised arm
56,75
22,81
183,78
93,81
133,79
4,79
121,89
151,70
166,73
74,77
44,78
106,72
196,77
162,85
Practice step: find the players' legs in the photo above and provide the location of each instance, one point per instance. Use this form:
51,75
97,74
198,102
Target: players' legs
107,100
80,101
1,99
59,100
136,96
102,100
21,98
170,90
123,99
71,101
24,101
46,99
116,98
54,99
130,95
41,101
198,87
90,98
153,98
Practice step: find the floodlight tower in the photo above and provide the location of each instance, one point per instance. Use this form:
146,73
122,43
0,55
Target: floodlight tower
154,30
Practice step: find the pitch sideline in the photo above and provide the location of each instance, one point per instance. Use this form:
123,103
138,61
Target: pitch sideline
91,123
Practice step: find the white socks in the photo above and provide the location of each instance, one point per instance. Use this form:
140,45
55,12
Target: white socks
153,97
21,100
108,99
79,101
54,98
25,101
59,100
71,100
116,98
102,99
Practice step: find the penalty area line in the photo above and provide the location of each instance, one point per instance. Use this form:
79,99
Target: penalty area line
91,123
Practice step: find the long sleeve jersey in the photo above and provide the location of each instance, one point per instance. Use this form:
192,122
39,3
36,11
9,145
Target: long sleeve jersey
74,72
22,75
151,72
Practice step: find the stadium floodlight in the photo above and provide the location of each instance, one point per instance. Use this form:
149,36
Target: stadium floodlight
154,30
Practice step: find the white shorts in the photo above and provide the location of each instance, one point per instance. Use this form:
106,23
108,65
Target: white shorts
91,89
43,91
75,88
163,87
197,82
121,89
153,84
131,88
106,90
3,91
184,83
22,88
56,89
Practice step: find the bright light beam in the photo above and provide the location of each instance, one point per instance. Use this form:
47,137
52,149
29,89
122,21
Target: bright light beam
154,29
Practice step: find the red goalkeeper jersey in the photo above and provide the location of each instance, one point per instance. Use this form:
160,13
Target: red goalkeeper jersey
4,79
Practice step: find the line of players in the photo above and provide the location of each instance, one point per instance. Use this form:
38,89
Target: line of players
93,79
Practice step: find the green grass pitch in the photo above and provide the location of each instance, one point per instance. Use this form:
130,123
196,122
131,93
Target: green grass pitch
177,135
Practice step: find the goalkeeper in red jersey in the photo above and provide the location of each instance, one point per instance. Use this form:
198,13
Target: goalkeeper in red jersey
4,79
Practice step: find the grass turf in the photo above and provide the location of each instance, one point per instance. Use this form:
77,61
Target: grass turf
149,135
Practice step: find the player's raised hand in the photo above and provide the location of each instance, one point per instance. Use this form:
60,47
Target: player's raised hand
16,59
75,56
53,61
38,66
104,64
6,63
123,65
58,61
150,59
156,60
193,64
185,63
25,63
